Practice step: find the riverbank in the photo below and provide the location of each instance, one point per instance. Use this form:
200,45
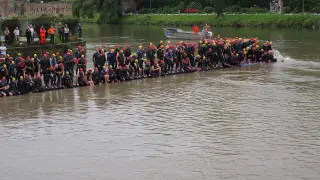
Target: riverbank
257,20
30,50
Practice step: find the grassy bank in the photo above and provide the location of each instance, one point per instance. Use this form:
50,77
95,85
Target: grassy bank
258,20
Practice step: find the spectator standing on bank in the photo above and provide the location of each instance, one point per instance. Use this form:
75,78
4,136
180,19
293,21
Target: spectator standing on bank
16,33
52,32
80,30
61,32
3,50
66,32
32,33
7,35
43,35
28,34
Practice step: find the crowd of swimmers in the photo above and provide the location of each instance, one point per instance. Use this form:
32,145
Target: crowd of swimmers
22,75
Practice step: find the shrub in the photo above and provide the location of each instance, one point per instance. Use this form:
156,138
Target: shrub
11,23
208,9
233,9
194,5
70,21
287,10
45,21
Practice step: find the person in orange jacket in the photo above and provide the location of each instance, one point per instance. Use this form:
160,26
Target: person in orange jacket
42,35
52,32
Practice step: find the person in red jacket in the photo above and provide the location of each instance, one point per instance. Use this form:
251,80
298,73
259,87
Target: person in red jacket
195,29
42,35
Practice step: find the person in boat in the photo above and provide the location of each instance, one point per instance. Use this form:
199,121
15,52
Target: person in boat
207,28
195,29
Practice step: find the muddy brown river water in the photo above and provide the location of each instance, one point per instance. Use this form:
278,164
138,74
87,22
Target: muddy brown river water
260,122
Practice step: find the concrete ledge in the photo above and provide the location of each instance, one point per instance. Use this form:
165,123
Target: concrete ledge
41,49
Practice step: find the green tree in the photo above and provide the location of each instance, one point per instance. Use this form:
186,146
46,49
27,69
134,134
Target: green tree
219,5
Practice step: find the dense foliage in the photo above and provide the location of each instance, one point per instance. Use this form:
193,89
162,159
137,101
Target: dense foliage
110,10
279,21
290,5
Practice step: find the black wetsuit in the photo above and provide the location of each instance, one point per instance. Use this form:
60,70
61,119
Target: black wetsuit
67,81
81,79
38,85
45,65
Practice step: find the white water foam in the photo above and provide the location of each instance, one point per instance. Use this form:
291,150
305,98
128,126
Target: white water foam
280,57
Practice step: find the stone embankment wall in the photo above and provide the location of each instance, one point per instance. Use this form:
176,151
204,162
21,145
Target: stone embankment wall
19,8
38,9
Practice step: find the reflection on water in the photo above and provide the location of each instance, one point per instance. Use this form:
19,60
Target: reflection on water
258,122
